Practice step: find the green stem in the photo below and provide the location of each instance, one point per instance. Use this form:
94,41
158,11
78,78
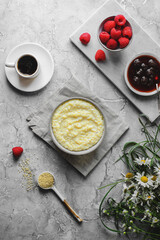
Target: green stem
100,211
121,180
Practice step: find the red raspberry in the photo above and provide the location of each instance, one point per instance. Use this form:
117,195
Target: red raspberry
120,20
100,55
112,44
115,34
123,42
104,37
109,25
127,32
85,38
17,151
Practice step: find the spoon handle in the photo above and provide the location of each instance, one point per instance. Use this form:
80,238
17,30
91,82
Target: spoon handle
67,204
72,211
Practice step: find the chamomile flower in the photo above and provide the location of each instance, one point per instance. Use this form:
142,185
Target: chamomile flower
143,180
133,213
142,161
157,169
144,217
124,226
154,178
155,220
125,188
147,214
125,212
148,197
134,197
156,181
129,175
132,186
158,209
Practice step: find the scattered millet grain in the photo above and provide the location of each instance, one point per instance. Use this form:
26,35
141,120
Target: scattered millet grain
27,175
45,180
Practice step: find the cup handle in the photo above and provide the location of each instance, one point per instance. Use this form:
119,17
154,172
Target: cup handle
10,65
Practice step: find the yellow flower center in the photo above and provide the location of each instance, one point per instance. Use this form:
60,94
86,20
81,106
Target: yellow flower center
149,197
154,178
143,160
129,175
144,179
155,220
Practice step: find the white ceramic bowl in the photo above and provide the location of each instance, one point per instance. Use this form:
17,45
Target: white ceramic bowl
89,150
126,77
100,29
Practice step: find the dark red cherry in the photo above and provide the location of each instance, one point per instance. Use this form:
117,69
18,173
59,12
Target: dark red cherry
144,66
152,63
137,63
150,71
139,72
136,80
150,82
144,80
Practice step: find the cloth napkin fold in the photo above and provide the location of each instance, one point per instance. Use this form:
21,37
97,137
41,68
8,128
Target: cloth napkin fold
39,122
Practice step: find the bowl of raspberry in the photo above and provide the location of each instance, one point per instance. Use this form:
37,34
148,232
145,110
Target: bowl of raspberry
115,33
142,74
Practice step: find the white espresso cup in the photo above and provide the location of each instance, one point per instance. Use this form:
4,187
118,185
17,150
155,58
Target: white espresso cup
26,66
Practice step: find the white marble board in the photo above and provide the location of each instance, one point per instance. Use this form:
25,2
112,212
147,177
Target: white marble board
113,67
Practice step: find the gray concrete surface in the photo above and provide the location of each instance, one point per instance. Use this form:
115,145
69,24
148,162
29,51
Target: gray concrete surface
35,214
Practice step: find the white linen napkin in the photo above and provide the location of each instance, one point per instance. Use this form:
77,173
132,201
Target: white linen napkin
39,122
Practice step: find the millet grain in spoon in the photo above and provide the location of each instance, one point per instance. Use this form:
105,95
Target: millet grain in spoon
45,180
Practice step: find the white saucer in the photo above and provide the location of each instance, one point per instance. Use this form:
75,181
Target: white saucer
46,67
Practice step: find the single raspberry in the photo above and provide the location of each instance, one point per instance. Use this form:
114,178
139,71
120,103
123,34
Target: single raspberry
115,34
112,44
100,55
109,25
120,20
17,151
123,42
104,37
127,32
85,38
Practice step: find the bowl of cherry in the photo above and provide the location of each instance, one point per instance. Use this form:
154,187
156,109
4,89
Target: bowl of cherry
142,74
115,33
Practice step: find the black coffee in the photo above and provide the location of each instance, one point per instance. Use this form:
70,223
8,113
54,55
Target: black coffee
27,65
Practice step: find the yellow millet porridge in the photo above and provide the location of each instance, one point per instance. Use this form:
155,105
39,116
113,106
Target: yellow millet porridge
77,124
